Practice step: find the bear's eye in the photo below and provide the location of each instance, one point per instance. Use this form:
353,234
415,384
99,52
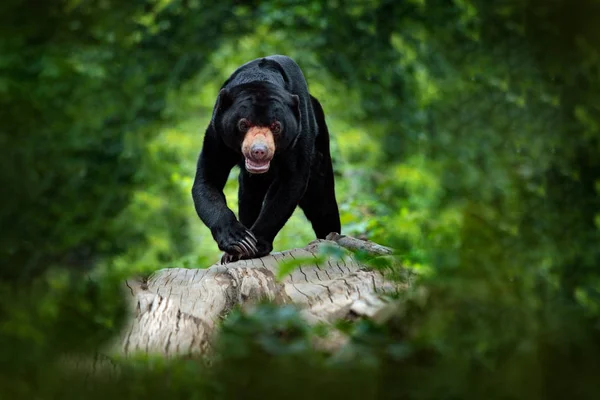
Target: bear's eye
243,125
276,127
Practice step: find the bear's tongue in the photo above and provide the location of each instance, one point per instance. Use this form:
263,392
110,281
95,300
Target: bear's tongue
257,167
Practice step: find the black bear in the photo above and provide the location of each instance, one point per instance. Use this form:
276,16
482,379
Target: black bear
265,121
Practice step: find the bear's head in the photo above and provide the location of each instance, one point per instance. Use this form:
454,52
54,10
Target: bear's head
257,119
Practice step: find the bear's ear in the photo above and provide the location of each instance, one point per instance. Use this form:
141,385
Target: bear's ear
295,105
224,100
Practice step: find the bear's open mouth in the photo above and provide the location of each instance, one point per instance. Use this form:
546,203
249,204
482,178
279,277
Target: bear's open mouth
257,167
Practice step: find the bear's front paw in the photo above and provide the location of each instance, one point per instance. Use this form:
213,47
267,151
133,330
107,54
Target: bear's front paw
236,240
229,258
263,247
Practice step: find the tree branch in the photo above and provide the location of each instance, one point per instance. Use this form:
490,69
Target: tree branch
176,311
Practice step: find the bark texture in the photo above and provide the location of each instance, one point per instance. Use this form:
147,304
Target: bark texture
176,311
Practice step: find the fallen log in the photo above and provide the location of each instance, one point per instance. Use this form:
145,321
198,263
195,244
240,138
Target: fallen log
176,311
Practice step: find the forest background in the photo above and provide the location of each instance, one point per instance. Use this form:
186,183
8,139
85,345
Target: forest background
465,134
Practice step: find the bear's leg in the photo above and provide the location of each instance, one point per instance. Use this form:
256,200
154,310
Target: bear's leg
319,203
213,167
251,194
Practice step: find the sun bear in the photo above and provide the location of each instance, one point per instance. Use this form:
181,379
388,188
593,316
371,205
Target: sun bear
266,122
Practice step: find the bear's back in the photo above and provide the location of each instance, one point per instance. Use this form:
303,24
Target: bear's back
277,69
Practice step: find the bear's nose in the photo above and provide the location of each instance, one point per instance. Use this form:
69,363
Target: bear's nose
259,151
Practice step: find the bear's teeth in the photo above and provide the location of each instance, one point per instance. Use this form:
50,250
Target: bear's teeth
257,166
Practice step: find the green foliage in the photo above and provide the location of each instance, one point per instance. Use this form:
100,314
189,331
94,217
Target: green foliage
465,133
270,330
83,88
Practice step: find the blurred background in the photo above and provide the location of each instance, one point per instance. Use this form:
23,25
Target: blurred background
465,133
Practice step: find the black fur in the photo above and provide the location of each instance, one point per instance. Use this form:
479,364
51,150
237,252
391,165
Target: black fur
300,172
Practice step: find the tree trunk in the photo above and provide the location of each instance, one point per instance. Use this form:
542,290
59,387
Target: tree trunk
176,311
